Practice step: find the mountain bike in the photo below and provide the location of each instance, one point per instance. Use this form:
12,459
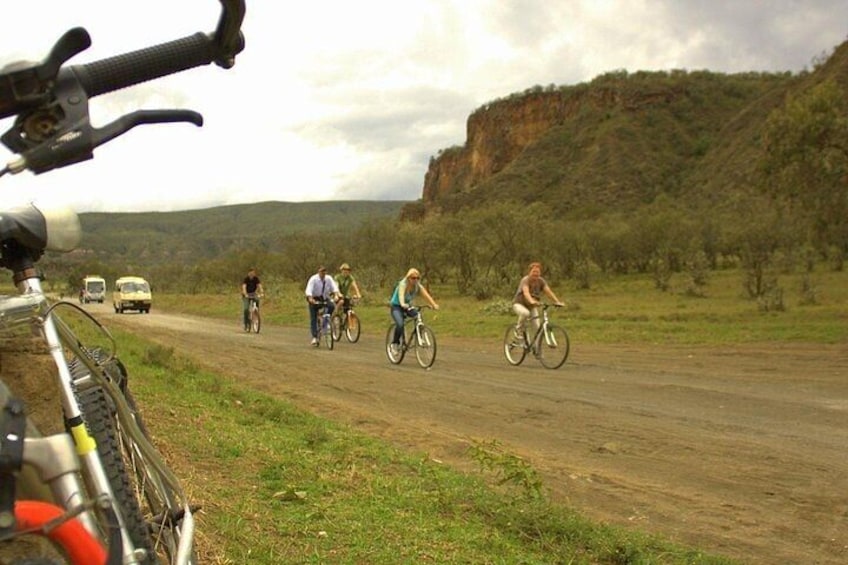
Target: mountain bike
254,319
108,496
549,343
345,321
325,327
416,335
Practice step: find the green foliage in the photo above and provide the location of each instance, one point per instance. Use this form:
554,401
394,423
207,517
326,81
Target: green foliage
645,172
311,491
616,309
511,469
806,159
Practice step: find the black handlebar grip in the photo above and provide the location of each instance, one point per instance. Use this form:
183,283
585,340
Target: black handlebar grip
121,71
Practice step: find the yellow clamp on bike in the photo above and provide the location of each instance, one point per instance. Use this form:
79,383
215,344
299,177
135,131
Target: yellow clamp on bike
83,440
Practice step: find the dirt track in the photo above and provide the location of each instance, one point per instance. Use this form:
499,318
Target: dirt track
739,451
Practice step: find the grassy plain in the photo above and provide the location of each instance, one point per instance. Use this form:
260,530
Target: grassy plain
624,309
302,489
279,485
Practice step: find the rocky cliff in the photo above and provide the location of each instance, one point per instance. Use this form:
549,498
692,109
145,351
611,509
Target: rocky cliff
498,132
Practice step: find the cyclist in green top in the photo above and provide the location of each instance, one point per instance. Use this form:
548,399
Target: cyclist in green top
346,283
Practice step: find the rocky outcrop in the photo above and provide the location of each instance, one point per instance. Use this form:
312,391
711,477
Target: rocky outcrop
498,132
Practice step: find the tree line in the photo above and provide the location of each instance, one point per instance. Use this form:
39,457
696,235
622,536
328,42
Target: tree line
796,217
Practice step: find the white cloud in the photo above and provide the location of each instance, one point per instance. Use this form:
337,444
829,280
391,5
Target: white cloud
348,100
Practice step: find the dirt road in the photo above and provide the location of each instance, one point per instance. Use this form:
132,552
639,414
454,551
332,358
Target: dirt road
739,451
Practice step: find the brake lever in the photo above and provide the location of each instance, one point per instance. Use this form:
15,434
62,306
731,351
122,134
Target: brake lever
78,143
25,86
127,122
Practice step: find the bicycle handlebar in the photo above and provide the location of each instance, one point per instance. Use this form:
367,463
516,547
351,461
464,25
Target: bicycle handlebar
52,129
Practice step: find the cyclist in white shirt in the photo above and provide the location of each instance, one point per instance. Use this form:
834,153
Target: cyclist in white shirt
321,290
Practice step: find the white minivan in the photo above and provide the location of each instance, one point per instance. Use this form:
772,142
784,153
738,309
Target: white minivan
93,289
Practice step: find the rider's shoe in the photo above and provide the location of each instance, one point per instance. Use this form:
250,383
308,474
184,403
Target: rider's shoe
314,341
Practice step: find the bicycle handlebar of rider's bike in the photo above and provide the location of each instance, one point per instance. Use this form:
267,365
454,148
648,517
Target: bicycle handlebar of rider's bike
52,128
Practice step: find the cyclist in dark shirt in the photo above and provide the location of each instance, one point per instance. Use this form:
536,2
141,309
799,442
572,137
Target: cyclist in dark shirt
251,287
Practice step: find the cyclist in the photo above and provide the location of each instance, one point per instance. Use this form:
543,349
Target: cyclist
251,286
346,283
401,302
321,289
526,301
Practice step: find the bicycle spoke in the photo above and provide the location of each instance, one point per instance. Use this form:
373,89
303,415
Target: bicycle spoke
553,347
514,347
353,327
425,347
395,357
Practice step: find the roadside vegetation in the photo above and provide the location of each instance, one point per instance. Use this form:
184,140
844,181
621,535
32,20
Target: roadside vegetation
625,309
278,485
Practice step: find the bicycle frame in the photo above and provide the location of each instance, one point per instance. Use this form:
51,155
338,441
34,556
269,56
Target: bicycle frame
61,458
541,330
324,322
549,343
52,129
342,318
416,334
417,322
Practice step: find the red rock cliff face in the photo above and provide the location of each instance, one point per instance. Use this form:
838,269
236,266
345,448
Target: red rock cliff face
498,132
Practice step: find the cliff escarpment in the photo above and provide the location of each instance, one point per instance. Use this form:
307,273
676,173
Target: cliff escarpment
619,140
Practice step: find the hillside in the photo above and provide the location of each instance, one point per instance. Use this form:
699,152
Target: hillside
648,169
206,233
618,141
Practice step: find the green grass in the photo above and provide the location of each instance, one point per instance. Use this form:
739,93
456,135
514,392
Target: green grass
278,485
620,310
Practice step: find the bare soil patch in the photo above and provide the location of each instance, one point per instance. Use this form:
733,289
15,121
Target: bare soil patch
740,451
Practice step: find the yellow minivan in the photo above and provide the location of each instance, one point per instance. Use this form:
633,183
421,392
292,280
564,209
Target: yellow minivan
131,293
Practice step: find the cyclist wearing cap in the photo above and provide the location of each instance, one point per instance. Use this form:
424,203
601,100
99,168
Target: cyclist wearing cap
320,291
346,283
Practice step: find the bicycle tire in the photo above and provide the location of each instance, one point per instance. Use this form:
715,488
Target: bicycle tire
99,420
326,334
255,320
145,486
353,328
514,348
394,358
337,327
553,347
425,347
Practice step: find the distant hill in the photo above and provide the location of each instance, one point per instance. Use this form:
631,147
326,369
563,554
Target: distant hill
208,232
599,150
617,142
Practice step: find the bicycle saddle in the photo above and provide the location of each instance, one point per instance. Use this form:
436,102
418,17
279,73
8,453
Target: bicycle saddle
40,230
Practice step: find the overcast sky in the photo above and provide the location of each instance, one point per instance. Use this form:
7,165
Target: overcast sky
341,100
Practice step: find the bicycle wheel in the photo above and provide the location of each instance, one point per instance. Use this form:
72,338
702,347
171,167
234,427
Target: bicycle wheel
146,501
513,346
395,355
425,347
255,320
337,327
353,327
327,333
553,347
99,419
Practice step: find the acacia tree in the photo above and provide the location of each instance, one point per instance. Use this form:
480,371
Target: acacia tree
806,161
